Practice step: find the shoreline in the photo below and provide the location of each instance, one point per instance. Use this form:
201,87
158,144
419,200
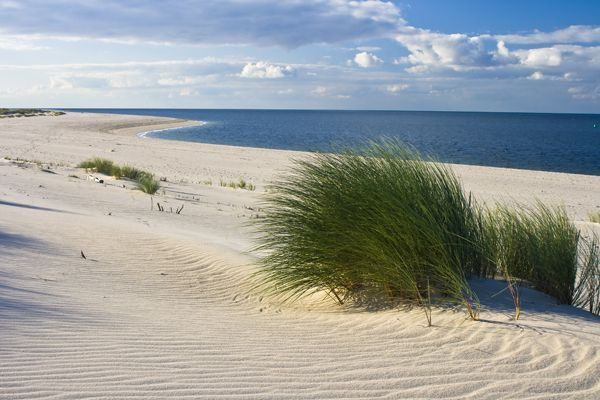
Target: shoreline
142,131
169,128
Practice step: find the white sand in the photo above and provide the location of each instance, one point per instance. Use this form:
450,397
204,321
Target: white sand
161,306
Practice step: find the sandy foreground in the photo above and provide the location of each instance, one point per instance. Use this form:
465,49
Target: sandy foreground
162,308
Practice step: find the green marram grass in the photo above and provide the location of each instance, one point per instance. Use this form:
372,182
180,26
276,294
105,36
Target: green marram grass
145,181
538,245
148,184
102,165
132,173
381,222
387,223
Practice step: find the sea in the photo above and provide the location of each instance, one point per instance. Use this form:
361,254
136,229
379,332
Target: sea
547,142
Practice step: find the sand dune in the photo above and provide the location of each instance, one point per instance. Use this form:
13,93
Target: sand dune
161,306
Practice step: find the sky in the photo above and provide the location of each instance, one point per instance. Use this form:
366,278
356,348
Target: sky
459,55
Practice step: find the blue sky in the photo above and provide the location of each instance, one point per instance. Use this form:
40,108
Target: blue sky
536,56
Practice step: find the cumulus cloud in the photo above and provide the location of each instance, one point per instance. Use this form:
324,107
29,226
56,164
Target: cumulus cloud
263,70
433,51
456,51
367,60
289,23
545,57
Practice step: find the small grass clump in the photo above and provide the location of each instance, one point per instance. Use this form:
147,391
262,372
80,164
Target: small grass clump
240,184
538,245
132,173
587,288
595,217
103,166
145,181
148,184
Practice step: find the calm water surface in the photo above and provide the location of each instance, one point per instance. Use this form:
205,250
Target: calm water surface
549,142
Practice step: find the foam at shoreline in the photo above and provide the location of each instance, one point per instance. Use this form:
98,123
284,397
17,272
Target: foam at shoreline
146,133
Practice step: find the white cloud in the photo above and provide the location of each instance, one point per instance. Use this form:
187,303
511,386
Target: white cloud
367,60
267,71
396,88
537,76
545,57
433,50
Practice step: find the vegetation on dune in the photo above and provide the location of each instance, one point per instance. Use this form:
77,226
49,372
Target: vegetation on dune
26,112
101,165
541,246
145,181
148,184
595,217
133,173
387,223
240,184
378,223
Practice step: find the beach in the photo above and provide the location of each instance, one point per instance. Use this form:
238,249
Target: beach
104,296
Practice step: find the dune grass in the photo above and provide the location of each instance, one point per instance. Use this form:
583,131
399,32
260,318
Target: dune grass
102,165
595,217
387,223
132,172
538,245
145,181
587,287
148,184
378,223
240,184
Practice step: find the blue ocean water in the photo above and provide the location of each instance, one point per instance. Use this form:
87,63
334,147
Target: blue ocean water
548,142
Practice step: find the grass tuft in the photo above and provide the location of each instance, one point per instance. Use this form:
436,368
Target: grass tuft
145,181
595,217
132,173
103,166
379,223
240,184
538,245
148,184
